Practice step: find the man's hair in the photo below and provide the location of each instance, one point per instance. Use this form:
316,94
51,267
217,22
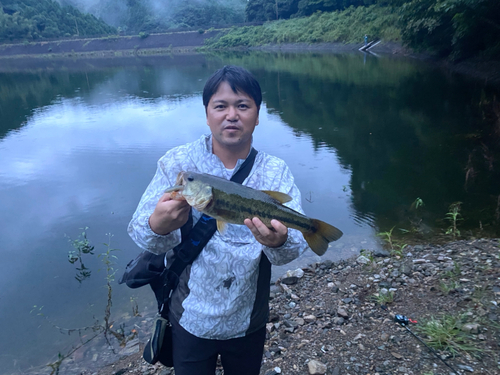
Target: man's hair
238,78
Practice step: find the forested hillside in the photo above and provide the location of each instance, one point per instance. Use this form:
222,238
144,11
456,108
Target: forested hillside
37,19
453,29
450,28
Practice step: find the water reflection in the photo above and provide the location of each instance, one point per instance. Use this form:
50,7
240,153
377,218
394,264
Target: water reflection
405,130
364,139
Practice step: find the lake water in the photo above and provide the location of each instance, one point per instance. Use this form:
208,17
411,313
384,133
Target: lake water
364,135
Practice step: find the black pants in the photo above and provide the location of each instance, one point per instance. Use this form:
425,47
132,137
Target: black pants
195,356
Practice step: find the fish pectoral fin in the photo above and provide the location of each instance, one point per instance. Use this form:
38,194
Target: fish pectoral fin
279,196
221,226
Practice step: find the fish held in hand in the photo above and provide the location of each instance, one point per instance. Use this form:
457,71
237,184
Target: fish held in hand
229,202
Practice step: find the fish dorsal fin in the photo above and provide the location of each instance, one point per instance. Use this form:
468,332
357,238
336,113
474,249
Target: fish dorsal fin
221,226
280,197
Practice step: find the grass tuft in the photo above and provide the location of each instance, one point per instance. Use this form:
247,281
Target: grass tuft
445,333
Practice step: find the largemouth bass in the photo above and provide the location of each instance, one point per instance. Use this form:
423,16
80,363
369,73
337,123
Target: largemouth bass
229,202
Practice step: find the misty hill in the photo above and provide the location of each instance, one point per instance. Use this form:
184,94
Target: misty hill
39,19
134,16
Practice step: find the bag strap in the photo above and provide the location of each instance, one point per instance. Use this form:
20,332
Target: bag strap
187,251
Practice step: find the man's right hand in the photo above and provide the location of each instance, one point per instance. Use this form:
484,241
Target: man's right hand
169,215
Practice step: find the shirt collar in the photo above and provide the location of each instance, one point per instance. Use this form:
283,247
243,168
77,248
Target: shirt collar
209,149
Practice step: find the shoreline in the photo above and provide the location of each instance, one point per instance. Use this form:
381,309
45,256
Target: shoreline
334,318
15,57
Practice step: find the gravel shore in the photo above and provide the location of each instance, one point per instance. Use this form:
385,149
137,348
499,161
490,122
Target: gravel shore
338,318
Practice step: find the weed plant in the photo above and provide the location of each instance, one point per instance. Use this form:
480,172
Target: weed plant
383,298
83,247
395,248
444,333
447,286
453,216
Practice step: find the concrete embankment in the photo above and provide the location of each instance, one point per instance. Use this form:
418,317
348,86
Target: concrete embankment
111,46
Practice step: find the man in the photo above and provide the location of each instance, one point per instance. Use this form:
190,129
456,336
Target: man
220,306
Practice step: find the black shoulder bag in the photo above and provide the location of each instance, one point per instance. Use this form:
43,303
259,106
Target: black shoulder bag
149,268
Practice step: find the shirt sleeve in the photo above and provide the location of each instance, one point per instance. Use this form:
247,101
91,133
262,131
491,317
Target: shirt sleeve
295,244
138,228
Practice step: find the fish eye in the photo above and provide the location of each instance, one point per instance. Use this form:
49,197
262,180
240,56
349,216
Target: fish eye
190,178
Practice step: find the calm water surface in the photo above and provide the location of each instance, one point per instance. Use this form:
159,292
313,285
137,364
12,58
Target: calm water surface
364,136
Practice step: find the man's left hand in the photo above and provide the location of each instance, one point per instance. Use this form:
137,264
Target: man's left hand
266,236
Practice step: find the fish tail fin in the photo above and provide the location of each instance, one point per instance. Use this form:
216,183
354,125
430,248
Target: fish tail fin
321,235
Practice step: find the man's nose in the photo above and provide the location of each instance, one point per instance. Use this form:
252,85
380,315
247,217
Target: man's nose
232,113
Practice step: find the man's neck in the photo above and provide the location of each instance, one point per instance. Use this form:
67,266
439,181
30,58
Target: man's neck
229,156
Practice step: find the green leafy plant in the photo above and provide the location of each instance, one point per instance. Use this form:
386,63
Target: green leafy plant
387,236
81,247
444,333
455,272
383,298
395,248
447,287
453,216
417,204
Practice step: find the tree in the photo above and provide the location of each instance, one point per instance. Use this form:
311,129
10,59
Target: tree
454,28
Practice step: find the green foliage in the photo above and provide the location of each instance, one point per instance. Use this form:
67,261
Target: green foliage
444,333
383,298
454,28
266,10
348,26
454,215
417,204
143,35
38,19
82,246
395,248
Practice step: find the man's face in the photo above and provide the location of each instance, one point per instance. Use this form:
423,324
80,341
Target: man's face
232,118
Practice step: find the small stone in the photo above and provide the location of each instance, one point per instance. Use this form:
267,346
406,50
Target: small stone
358,336
362,260
338,321
310,318
290,280
420,261
300,321
470,328
342,313
397,355
298,273
466,368
316,367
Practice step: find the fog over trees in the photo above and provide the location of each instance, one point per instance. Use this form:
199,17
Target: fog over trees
133,16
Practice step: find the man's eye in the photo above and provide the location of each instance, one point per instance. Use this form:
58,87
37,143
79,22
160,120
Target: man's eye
243,106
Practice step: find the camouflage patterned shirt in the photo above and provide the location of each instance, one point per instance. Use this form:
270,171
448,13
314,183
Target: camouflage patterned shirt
218,296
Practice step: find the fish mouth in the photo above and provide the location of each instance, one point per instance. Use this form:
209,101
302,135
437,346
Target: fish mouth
180,183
